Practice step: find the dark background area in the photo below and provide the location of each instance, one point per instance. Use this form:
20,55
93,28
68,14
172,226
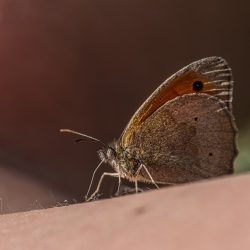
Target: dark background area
88,65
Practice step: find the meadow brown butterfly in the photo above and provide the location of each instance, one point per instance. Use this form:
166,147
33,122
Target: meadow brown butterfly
185,131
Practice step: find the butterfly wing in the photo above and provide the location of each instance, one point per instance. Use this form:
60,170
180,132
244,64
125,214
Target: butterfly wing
188,138
213,73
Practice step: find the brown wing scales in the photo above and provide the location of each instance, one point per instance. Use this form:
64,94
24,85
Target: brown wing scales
189,138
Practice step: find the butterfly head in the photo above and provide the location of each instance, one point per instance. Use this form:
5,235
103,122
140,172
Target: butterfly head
120,159
107,154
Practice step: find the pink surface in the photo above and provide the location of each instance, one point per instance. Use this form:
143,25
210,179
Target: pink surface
206,215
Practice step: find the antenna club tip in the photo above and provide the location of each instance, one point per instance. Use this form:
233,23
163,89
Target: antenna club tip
62,130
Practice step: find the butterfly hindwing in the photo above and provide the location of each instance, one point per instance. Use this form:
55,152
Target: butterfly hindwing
189,138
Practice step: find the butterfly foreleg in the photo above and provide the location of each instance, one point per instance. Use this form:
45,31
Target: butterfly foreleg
100,183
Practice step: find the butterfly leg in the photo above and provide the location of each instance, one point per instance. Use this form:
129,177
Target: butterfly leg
136,186
150,176
100,183
119,181
136,182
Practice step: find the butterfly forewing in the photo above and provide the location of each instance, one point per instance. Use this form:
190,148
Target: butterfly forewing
214,75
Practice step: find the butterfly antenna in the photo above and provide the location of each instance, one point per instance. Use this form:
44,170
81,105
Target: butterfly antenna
92,179
88,137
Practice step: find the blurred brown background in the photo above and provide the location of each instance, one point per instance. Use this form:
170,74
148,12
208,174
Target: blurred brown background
88,65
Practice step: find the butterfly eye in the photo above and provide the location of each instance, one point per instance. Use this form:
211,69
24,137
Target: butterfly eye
197,86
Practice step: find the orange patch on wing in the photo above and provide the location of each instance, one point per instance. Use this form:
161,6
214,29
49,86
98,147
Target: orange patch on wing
178,87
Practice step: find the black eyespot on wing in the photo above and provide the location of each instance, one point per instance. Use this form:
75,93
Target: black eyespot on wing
197,85
196,119
210,154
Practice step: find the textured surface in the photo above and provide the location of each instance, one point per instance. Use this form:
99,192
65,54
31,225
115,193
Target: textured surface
208,215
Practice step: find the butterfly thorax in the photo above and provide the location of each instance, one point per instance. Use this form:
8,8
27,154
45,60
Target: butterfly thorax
120,159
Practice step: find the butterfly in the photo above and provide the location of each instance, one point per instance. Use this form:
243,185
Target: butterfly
185,131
